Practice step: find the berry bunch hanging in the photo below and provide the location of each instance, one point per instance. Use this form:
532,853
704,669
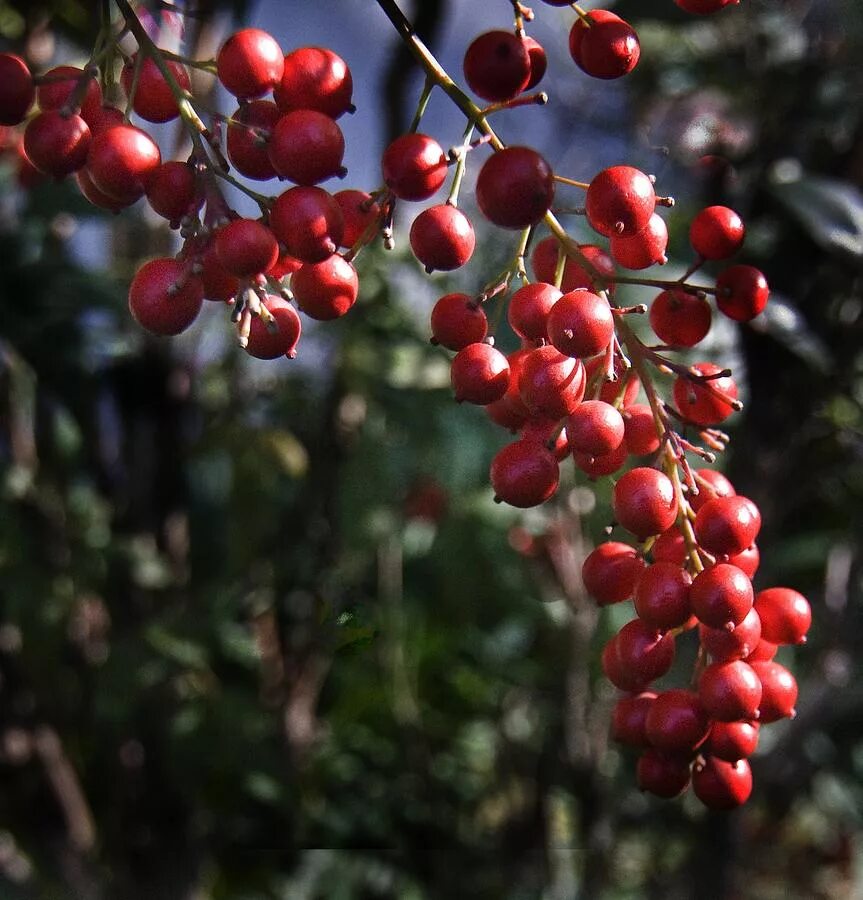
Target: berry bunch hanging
582,386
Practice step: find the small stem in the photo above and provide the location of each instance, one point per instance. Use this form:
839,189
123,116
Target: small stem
584,185
428,87
582,15
660,283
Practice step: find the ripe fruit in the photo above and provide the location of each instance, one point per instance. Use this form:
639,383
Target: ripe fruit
717,232
620,200
643,652
677,721
721,596
595,428
171,190
643,249
414,166
604,464
457,322
249,132
726,526
607,48
741,292
61,82
120,161
575,275
639,430
56,145
706,402
442,238
309,222
610,572
164,298
551,384
250,63
662,595
266,344
680,319
661,774
306,147
730,691
327,289
17,91
246,247
515,187
717,485
628,719
497,66
778,691
538,61
580,324
359,211
724,645
722,785
528,310
644,502
785,615
153,98
315,78
524,474
479,374
733,740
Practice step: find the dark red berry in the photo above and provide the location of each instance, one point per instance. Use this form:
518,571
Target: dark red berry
497,66
59,85
528,310
663,775
643,651
164,298
581,324
726,526
677,721
705,402
515,188
662,595
595,428
307,147
643,249
442,238
604,464
730,691
640,430
722,785
17,91
607,48
644,502
154,100
702,7
724,645
538,61
315,78
733,740
309,222
57,145
629,717
249,133
551,384
172,190
524,474
456,322
246,247
280,340
359,211
785,615
544,263
778,691
121,160
721,596
620,200
610,572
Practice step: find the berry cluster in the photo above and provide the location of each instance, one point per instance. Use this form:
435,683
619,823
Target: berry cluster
574,386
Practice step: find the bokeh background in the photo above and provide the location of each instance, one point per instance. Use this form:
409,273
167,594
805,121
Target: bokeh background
263,632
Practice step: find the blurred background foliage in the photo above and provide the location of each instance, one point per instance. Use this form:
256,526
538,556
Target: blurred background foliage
263,634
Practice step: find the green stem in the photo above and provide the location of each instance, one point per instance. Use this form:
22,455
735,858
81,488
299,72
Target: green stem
423,102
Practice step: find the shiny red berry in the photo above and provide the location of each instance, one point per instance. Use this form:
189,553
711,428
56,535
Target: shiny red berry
246,247
730,691
610,572
164,298
607,48
414,166
628,719
620,200
17,91
528,310
479,374
327,289
59,85
705,402
307,147
595,428
643,249
717,232
726,526
249,133
778,691
172,190
644,502
662,595
154,99
721,596
733,740
515,188
742,292
785,615
680,319
309,222
581,324
121,160
738,643
544,258
639,430
278,340
315,78
677,721
524,474
551,384
643,651
456,322
722,785
497,66
442,238
359,211
57,145
250,63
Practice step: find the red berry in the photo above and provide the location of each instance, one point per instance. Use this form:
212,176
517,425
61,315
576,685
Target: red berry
778,691
785,615
733,740
309,222
528,310
17,91
250,63
94,195
764,652
662,595
620,201
706,402
722,785
716,232
497,66
442,238
219,285
267,344
607,48
629,717
457,322
515,188
604,464
153,98
538,61
359,212
307,147
730,691
56,145
662,775
724,645
59,85
414,166
163,298
677,722
479,374
680,319
524,474
741,292
644,652
575,275
246,247
644,249
315,78
106,117
327,289
249,132
670,546
581,323
121,160
610,571
172,190
283,266
721,596
747,560
717,485
726,526
595,428
626,384
551,384
639,430
644,502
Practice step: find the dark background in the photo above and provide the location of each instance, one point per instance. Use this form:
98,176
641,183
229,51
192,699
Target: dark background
262,631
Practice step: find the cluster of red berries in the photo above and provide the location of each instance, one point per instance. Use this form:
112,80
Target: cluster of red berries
571,389
694,576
